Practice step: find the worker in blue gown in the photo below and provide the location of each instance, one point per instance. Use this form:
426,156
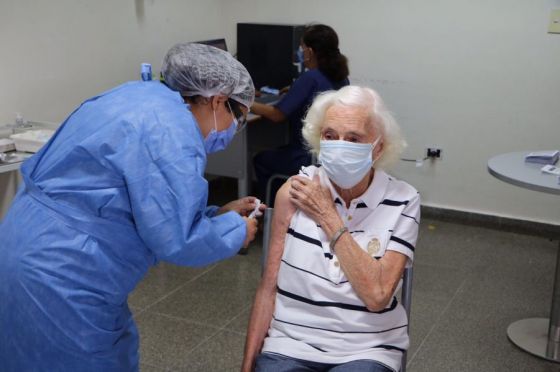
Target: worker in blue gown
118,187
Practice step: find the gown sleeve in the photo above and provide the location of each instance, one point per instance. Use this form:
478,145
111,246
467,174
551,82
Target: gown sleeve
168,196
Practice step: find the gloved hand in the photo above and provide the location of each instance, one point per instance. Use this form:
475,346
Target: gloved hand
251,230
243,206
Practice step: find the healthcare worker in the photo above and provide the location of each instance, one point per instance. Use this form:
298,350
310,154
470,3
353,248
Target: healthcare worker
118,187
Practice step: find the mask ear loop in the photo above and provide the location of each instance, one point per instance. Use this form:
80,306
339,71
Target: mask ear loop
215,121
235,121
373,145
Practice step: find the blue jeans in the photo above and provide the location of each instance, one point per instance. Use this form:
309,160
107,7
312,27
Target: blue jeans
268,362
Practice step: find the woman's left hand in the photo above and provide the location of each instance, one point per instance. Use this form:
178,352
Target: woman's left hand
243,206
312,198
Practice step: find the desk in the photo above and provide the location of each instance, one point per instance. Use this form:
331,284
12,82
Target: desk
537,336
7,130
9,167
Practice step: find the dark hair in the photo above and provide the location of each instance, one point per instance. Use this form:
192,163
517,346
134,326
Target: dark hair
324,42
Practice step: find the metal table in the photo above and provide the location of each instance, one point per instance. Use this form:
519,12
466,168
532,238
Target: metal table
14,164
6,130
538,336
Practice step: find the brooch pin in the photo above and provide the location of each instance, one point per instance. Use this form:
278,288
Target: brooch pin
373,246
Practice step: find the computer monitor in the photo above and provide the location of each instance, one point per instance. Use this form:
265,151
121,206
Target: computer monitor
218,43
268,51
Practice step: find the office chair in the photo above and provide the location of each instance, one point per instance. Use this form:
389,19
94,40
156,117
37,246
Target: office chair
406,289
269,184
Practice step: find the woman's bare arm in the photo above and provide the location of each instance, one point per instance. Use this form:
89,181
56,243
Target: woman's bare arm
263,305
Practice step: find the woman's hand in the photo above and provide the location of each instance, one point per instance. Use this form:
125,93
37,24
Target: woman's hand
243,206
312,198
285,90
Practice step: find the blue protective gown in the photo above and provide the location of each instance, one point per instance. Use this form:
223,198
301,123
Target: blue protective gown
119,186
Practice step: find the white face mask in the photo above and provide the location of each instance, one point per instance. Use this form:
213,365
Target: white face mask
346,163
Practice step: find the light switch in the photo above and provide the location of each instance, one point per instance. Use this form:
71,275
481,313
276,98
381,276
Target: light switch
554,27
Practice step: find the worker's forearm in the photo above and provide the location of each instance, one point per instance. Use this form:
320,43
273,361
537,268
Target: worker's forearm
268,111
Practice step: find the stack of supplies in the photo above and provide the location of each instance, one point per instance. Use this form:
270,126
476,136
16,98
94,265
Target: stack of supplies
7,145
543,157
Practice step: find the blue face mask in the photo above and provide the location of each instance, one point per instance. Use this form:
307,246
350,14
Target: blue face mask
346,163
218,140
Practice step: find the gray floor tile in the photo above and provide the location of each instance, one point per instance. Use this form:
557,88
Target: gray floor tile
506,277
437,281
425,313
165,341
144,367
455,245
239,324
218,296
223,352
473,338
161,279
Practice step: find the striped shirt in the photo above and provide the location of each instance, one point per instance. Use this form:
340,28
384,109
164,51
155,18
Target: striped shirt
317,315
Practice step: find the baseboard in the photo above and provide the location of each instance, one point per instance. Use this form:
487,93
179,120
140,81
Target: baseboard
494,222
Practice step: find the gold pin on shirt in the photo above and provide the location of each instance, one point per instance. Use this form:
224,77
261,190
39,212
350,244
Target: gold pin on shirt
373,246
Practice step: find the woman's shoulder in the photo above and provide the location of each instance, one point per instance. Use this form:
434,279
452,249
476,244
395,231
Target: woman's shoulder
322,80
312,75
400,187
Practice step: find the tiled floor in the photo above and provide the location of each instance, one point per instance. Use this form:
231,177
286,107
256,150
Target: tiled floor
470,283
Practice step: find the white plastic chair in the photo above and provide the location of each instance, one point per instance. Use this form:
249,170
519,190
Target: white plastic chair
406,290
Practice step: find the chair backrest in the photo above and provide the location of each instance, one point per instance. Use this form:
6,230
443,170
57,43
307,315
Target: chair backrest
406,289
406,300
278,176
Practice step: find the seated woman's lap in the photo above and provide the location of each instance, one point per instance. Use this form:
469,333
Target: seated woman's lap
268,362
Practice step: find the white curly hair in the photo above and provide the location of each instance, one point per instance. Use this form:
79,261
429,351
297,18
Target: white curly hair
363,97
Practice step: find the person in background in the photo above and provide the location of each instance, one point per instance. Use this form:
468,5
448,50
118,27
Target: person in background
119,187
327,69
342,235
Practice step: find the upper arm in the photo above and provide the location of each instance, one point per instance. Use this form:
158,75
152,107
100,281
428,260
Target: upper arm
283,212
268,111
401,246
405,232
300,93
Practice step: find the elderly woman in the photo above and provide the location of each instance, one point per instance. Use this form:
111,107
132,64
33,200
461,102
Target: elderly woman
342,235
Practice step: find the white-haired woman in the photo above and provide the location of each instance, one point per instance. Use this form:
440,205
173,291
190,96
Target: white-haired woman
342,235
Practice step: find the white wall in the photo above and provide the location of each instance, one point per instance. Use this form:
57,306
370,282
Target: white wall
55,54
477,79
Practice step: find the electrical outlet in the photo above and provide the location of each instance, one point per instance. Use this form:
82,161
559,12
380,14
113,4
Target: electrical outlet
554,25
433,153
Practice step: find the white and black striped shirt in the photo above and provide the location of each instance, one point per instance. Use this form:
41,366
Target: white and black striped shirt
317,315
